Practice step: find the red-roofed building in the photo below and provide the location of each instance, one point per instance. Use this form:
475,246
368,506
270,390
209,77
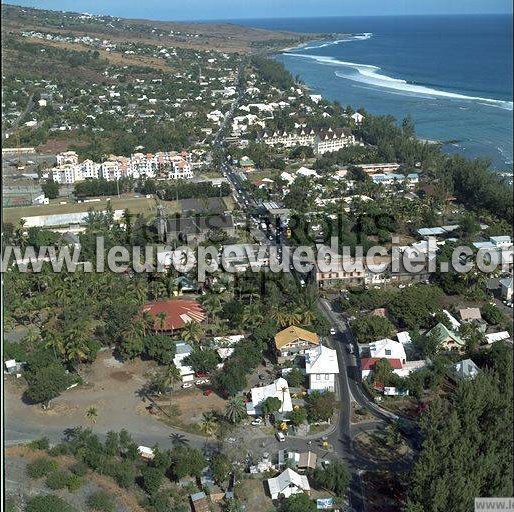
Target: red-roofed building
368,364
173,314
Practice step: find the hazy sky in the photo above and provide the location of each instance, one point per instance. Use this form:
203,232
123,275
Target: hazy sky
233,9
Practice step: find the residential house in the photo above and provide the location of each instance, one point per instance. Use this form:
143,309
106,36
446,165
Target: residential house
493,337
453,321
293,341
446,338
463,370
387,349
302,461
182,351
506,287
469,314
278,389
322,367
200,502
224,345
286,484
404,337
368,366
358,118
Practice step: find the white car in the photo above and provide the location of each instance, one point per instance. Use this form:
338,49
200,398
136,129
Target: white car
257,422
187,385
332,331
280,437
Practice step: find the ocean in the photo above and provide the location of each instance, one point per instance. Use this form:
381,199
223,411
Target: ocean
451,74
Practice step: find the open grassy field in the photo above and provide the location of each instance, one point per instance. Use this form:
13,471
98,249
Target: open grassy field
134,204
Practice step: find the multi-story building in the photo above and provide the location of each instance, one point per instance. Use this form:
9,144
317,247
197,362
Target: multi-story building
322,141
67,157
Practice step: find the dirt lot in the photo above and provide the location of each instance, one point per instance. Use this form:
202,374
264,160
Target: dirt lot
186,407
111,387
359,414
378,446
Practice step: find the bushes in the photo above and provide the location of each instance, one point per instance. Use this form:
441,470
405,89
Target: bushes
372,328
335,477
100,502
41,467
73,482
39,444
79,469
57,480
492,314
152,479
49,503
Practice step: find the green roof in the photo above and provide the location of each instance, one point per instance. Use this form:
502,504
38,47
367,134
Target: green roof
442,333
246,161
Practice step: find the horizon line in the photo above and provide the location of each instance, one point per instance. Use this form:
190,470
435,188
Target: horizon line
235,20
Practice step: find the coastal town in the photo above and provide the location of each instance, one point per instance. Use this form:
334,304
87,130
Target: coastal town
335,383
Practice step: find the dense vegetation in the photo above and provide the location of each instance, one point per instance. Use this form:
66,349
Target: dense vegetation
467,450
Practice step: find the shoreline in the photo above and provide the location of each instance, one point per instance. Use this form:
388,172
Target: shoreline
498,167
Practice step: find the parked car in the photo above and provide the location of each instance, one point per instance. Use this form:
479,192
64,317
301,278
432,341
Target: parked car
257,422
187,385
280,437
200,374
207,392
332,331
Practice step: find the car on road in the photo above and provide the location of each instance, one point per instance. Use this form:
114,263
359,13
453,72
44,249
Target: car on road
332,331
350,348
257,422
187,385
280,437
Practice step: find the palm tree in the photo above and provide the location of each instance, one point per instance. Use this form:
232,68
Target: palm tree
91,414
209,423
212,304
55,341
252,315
171,375
235,410
308,316
192,332
178,440
162,318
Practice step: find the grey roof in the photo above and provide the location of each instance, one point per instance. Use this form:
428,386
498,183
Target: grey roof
199,224
183,348
506,282
465,369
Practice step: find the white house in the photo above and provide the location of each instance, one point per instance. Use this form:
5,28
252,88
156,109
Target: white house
186,372
358,118
387,349
224,345
278,389
286,484
322,367
493,337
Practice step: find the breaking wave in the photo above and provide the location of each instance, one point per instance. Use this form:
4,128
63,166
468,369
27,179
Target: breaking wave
368,74
348,39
